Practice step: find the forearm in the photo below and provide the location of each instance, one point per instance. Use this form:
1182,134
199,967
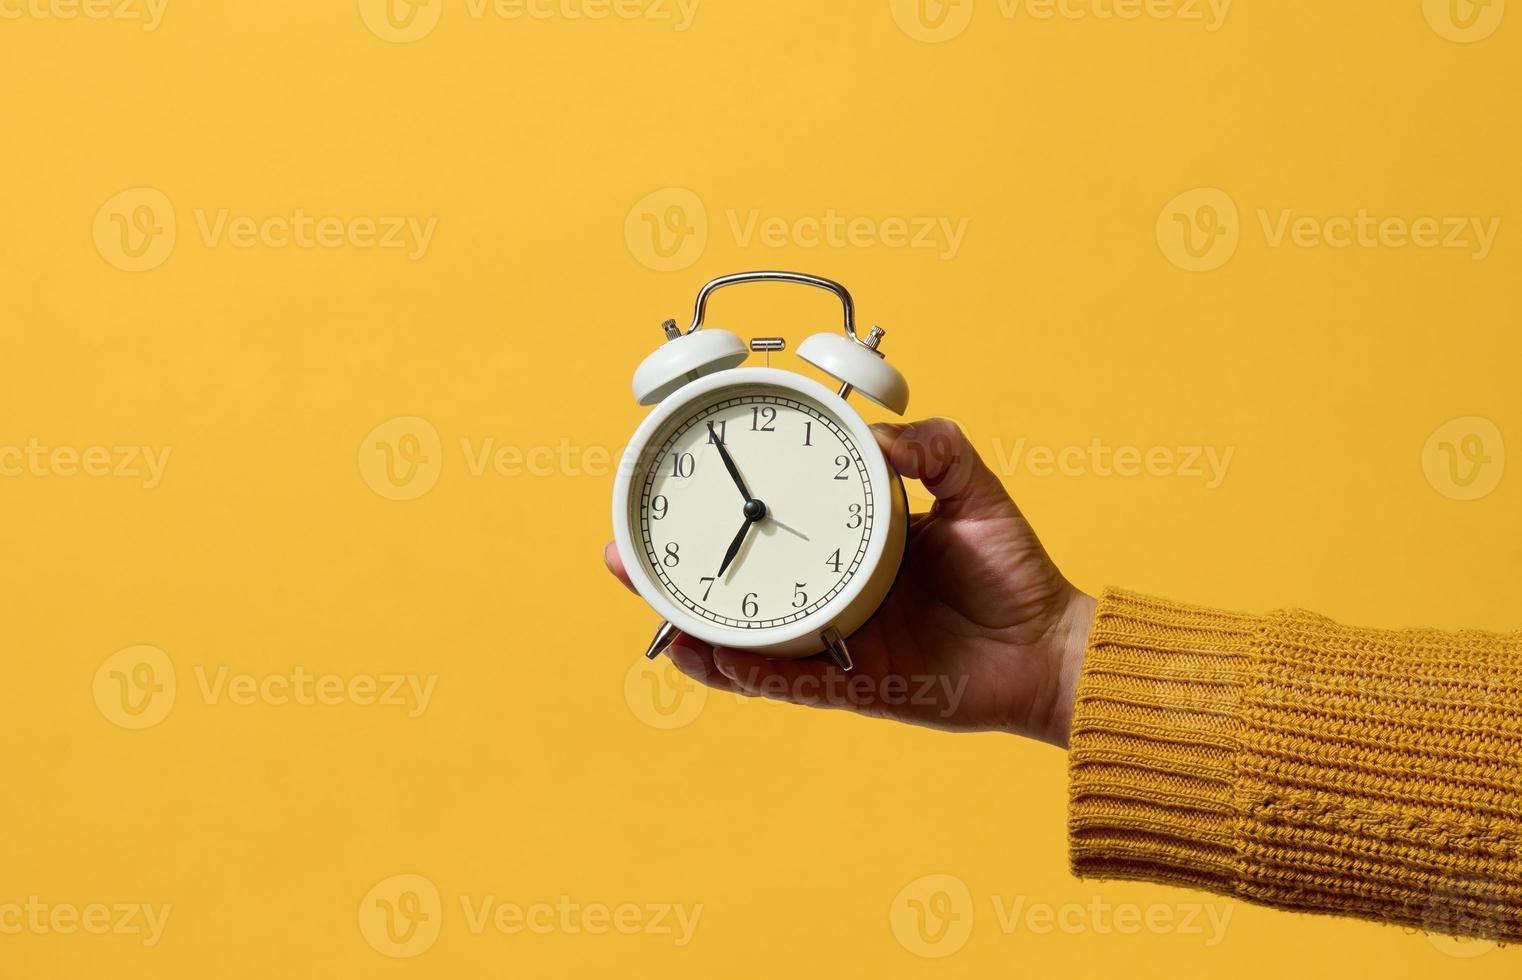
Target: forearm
1287,760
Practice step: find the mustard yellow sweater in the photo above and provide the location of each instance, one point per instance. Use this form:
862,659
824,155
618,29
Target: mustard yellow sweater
1287,760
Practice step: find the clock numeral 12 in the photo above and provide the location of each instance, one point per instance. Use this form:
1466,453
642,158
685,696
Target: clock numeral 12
763,412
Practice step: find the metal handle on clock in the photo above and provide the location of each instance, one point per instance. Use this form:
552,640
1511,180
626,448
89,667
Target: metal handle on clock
700,312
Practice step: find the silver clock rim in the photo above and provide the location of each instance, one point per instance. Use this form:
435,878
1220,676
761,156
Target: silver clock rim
809,626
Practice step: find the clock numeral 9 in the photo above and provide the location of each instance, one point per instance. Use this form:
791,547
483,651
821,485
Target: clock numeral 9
749,607
759,413
683,465
800,597
658,507
844,462
674,555
855,520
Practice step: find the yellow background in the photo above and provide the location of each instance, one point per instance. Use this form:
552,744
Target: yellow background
540,768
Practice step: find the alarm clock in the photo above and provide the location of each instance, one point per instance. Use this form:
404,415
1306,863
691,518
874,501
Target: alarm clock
754,509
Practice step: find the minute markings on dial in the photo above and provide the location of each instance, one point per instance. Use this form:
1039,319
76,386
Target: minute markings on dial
784,441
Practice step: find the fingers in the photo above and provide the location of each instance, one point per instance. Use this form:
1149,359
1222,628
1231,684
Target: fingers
615,563
938,454
815,683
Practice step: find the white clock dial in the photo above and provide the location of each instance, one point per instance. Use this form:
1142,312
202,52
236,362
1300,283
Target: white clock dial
811,507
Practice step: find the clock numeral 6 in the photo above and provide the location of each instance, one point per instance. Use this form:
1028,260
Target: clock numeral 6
800,597
658,507
674,555
855,520
749,607
683,465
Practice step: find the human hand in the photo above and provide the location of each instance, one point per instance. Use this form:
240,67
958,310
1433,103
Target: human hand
980,633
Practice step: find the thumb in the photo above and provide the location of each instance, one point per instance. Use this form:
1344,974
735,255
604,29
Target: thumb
937,453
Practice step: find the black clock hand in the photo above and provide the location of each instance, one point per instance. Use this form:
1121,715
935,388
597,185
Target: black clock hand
734,546
729,464
755,510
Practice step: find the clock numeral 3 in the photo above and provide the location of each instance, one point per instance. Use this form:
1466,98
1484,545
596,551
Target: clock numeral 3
855,520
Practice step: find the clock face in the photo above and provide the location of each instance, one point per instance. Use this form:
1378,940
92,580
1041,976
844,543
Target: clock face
779,549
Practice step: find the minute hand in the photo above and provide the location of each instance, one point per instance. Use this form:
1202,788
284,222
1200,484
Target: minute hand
729,464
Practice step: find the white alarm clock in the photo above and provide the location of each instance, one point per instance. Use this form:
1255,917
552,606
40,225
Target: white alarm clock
754,509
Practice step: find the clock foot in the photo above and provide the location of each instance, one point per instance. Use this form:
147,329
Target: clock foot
663,638
835,645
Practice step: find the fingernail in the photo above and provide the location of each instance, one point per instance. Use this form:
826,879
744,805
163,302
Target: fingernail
726,666
686,659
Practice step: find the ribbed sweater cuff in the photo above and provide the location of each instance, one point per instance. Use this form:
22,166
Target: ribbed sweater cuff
1287,760
1153,745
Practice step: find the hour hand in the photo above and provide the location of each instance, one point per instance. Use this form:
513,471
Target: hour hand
729,464
734,547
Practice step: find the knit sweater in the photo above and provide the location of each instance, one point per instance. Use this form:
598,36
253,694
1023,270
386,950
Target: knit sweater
1293,762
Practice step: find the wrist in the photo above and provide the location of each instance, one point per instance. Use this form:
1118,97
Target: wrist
1070,641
